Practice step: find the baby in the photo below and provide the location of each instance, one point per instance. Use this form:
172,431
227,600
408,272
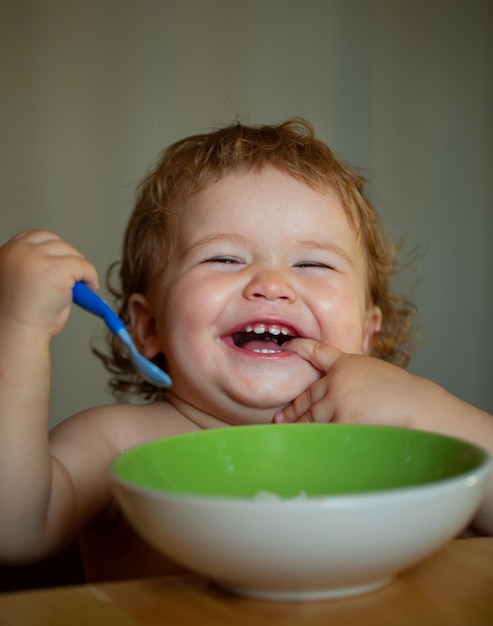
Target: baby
255,273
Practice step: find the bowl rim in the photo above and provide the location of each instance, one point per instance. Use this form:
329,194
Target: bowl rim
468,478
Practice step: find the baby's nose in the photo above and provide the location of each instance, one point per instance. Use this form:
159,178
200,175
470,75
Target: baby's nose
271,285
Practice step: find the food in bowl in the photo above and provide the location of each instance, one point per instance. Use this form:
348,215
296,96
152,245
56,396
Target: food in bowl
301,511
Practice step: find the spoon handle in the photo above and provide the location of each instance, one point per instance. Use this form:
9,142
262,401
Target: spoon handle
90,301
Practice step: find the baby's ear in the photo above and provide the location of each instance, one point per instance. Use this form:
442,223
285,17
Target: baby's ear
143,324
372,325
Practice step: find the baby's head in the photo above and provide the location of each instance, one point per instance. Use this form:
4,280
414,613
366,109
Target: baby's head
197,162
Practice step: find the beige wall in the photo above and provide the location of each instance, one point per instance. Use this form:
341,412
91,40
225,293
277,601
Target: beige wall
93,90
431,157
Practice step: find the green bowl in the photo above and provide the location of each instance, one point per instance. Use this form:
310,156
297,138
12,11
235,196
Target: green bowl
302,510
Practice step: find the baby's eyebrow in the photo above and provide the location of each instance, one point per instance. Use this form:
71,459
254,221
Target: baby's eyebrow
239,241
229,238
326,246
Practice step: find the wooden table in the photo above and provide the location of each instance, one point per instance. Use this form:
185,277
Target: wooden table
453,588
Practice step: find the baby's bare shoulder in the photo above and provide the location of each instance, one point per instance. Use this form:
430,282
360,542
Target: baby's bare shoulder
112,428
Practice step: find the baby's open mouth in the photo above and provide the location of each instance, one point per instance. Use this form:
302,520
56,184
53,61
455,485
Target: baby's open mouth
263,338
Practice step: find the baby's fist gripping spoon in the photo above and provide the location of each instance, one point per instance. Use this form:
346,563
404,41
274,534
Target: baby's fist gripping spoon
90,301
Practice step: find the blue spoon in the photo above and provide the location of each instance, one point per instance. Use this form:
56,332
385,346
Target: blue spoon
90,301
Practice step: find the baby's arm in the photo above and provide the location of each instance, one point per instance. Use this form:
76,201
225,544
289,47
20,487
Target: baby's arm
37,272
362,389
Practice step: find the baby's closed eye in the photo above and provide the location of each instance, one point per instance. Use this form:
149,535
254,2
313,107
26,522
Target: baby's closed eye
224,259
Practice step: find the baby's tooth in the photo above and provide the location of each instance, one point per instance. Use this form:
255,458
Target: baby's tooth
260,329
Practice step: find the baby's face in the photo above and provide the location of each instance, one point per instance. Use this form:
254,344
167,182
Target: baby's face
259,257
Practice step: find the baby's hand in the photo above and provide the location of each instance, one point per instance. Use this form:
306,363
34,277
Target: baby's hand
352,389
37,273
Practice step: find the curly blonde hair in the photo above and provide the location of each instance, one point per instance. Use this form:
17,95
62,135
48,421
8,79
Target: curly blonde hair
198,161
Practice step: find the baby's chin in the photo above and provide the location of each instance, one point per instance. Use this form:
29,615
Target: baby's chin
255,412
244,409
267,399
228,409
242,401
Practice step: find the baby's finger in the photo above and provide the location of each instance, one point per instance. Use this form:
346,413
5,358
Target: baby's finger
318,354
311,406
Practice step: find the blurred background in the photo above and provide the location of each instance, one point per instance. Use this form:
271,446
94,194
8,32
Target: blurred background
93,90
